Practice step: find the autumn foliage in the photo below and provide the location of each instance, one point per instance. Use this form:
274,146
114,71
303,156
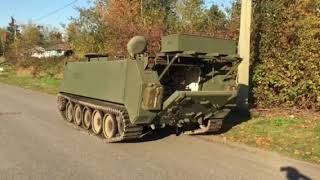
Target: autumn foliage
125,19
109,24
286,54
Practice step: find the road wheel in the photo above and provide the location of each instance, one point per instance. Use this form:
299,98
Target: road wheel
78,115
110,126
87,116
97,122
120,125
69,112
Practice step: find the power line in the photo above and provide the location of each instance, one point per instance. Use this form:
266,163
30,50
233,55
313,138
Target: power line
55,11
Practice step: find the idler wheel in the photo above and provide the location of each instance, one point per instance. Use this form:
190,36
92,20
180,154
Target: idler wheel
78,115
61,103
69,112
110,126
87,116
97,122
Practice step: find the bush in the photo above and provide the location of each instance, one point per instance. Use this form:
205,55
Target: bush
48,67
286,54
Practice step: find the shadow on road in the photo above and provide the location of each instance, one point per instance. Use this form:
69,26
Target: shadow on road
154,135
294,174
235,118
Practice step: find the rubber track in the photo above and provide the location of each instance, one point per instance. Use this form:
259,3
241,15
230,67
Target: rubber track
213,125
130,131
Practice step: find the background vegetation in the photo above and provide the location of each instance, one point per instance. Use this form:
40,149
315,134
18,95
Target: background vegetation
109,24
286,54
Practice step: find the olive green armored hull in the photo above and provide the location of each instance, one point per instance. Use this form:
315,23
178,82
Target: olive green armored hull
103,80
116,81
181,43
190,85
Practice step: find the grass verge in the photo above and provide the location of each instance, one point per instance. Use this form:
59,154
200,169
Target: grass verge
296,136
45,83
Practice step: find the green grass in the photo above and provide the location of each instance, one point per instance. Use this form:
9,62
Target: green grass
43,84
297,138
49,81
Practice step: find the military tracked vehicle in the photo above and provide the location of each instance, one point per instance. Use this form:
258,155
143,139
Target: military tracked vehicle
190,84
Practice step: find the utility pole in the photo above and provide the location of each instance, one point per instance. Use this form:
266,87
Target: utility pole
244,52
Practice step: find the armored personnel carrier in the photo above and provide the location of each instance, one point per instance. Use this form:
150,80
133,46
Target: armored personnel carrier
190,84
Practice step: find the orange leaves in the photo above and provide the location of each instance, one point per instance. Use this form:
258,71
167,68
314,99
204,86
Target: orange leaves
109,24
263,141
128,18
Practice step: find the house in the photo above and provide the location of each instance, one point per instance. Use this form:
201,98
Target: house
59,50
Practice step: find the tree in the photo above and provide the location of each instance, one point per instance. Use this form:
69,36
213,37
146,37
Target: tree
167,9
88,33
194,18
233,24
109,24
55,37
13,30
216,18
191,16
29,38
51,36
128,18
3,41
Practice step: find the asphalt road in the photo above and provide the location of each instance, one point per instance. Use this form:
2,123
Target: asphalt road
35,143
